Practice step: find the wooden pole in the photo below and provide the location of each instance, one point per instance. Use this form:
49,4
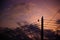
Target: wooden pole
42,28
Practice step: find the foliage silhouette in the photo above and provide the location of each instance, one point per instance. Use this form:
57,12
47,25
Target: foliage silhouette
27,32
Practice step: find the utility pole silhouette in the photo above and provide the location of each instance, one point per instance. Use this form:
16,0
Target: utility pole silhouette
42,28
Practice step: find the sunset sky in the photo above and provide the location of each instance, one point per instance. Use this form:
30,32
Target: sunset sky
30,11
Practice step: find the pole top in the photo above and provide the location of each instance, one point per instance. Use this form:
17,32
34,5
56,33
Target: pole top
42,17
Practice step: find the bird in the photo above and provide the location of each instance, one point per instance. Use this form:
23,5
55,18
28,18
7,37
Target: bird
38,20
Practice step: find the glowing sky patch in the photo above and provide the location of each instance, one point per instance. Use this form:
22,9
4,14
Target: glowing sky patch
28,10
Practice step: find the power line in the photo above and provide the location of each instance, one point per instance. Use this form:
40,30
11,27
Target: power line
50,10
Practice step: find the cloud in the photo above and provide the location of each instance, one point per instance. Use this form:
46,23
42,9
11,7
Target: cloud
28,10
58,21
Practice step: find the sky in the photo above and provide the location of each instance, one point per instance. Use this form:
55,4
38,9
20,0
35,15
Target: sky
28,11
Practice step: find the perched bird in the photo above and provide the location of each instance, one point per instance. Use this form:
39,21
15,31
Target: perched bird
38,20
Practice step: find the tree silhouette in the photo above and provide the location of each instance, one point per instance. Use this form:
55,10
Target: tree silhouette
58,29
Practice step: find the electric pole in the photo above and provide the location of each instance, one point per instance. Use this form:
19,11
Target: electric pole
42,28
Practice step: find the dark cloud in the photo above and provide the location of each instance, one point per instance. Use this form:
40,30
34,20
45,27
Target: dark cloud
58,21
58,2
